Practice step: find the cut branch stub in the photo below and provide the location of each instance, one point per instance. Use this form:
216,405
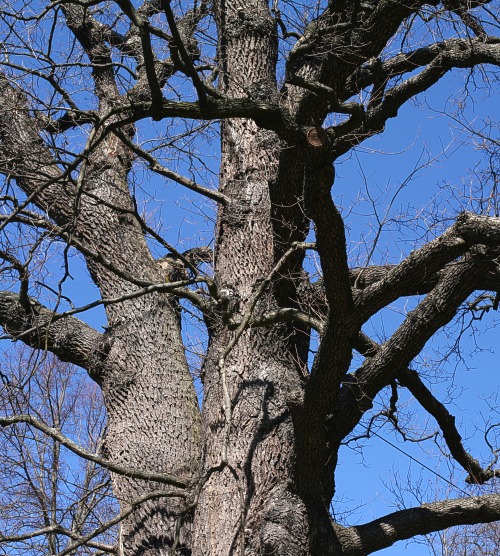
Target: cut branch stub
317,137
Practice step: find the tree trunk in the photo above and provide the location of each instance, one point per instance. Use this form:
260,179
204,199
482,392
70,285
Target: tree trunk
153,415
249,504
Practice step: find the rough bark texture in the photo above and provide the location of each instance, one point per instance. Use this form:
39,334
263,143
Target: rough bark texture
254,468
250,500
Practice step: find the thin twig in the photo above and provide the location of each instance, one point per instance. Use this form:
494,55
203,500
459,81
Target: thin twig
164,478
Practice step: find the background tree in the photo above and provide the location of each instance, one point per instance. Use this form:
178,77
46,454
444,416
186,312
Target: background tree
471,539
95,98
47,501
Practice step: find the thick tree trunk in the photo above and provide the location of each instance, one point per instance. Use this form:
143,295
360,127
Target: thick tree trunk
153,415
249,506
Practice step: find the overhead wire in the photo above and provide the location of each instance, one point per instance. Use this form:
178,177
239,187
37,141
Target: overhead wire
433,471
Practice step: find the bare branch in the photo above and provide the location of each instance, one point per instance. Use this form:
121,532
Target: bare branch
436,310
411,380
57,435
267,115
58,530
186,59
26,158
70,339
347,135
404,524
158,168
142,24
126,512
376,70
91,35
422,268
286,314
446,422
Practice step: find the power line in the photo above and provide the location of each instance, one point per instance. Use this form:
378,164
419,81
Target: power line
417,461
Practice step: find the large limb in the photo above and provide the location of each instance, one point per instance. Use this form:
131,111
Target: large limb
147,382
26,158
425,270
334,353
386,105
70,339
348,38
376,71
341,39
344,319
336,57
322,83
92,37
423,266
363,277
422,520
344,36
376,286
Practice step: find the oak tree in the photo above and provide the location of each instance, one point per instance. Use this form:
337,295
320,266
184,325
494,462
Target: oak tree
98,97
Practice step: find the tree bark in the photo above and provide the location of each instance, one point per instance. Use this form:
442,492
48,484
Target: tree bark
249,505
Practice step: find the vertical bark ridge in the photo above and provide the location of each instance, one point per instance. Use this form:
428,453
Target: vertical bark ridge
260,369
153,415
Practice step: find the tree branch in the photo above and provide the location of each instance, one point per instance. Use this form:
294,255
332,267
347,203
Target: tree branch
423,264
142,24
404,524
156,495
345,34
70,339
285,314
158,168
26,158
335,349
362,278
185,57
477,475
411,380
347,135
267,115
163,478
436,310
91,35
57,530
376,70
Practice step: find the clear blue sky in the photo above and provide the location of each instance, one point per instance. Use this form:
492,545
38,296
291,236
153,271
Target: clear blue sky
364,479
